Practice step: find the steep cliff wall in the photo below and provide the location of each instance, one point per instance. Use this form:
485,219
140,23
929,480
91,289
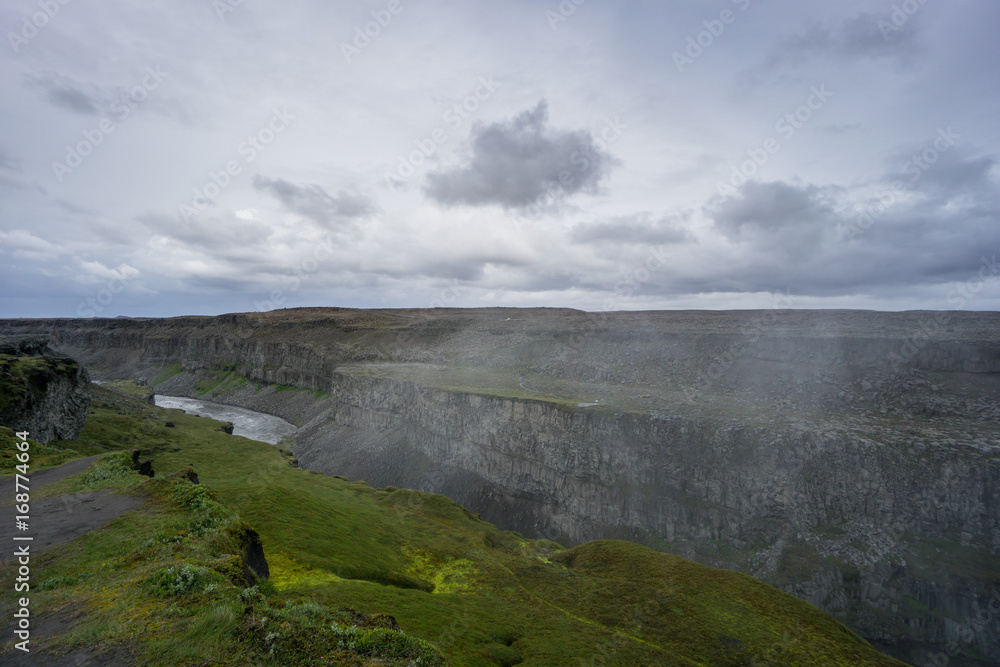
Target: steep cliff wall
896,532
850,458
41,392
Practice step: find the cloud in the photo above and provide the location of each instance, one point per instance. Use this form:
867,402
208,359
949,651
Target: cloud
25,245
215,233
867,35
516,163
314,202
453,220
67,93
95,271
768,208
862,36
840,128
948,174
633,230
780,234
8,162
467,267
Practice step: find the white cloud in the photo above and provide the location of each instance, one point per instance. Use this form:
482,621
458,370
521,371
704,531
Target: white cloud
25,245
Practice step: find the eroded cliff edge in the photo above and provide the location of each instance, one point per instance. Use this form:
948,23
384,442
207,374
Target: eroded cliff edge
850,458
43,393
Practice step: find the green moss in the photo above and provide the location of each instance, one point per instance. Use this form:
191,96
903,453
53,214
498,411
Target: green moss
20,376
169,371
212,381
130,388
798,561
307,633
230,567
930,556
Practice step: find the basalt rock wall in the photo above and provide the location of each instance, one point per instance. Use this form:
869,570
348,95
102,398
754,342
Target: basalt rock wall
43,393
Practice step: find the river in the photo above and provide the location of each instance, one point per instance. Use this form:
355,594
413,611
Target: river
248,423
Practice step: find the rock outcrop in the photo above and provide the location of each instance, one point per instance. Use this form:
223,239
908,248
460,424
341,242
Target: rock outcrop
42,393
850,458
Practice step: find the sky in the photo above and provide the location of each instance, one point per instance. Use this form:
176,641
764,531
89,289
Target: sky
213,156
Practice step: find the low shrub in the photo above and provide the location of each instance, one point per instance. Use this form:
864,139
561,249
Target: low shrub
182,580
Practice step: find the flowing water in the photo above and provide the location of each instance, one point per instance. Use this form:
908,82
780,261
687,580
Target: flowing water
248,423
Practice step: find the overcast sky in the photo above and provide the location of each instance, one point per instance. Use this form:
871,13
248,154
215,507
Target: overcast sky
198,157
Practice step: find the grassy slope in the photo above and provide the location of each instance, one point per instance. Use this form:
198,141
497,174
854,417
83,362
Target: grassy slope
478,595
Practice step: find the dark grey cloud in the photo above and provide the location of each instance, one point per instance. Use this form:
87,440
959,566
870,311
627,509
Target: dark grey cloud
808,237
945,173
75,208
640,229
877,36
67,93
840,128
8,162
522,162
865,35
12,175
315,202
770,207
139,90
944,214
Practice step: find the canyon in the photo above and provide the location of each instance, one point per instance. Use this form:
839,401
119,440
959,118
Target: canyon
850,458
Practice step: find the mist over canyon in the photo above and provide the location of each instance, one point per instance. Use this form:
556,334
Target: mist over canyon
851,458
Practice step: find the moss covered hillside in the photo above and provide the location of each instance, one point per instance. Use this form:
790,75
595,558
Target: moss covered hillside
361,575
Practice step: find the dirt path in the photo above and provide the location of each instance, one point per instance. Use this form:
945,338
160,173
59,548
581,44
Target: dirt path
49,475
56,521
63,518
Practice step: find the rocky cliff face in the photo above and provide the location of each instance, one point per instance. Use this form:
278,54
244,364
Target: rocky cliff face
40,392
852,459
